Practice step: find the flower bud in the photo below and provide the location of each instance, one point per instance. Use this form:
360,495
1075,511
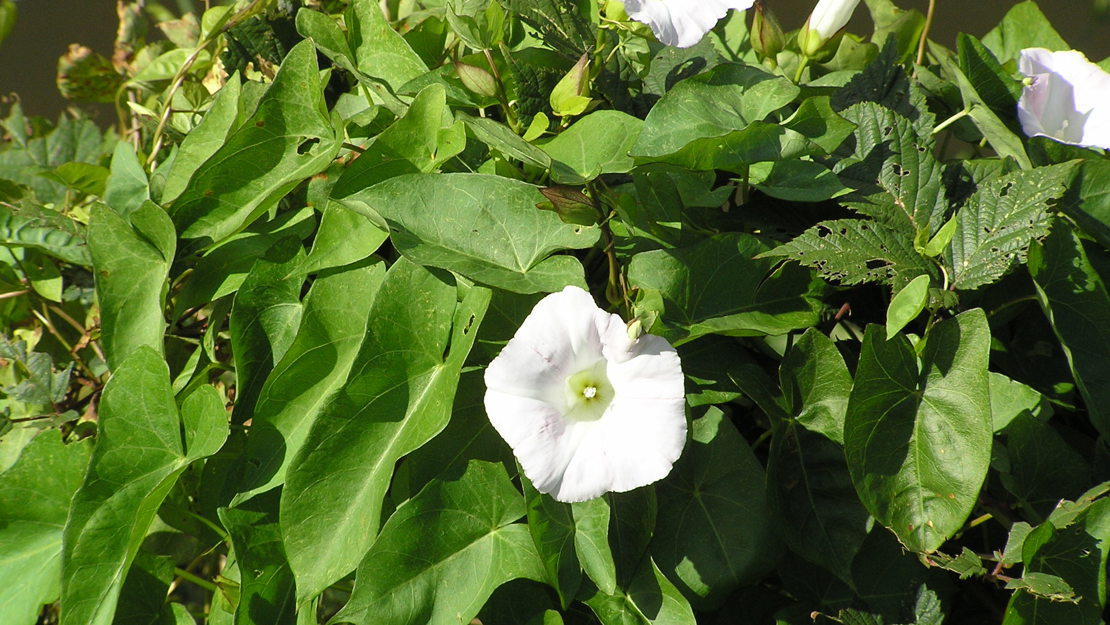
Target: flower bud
571,94
766,35
827,19
477,79
572,205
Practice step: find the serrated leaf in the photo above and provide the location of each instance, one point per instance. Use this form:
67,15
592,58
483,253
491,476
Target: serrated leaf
1044,586
38,382
853,251
562,25
998,222
967,564
34,502
485,227
917,435
468,544
139,455
715,489
397,397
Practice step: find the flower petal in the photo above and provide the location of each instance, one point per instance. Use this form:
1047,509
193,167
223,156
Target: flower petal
682,23
1064,98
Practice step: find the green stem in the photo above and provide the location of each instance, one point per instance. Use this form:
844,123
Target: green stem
951,120
199,581
925,32
801,68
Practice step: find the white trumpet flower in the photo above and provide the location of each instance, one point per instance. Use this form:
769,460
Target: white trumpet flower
586,409
1065,98
682,23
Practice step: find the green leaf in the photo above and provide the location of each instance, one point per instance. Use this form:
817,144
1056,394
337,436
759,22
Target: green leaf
815,382
966,565
720,286
899,179
796,180
34,502
716,490
564,26
648,599
131,272
596,144
551,524
1024,26
994,85
715,121
1041,467
1074,298
468,544
344,237
267,592
853,251
263,322
204,140
591,543
816,508
379,51
917,435
906,305
485,227
315,364
413,144
48,232
289,137
499,137
1043,586
140,453
1074,552
1011,399
1088,200
38,382
127,187
816,120
1004,141
398,396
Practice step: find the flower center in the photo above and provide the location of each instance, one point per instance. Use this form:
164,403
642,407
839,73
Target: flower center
588,393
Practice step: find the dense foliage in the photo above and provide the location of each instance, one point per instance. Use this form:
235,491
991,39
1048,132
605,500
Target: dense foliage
243,330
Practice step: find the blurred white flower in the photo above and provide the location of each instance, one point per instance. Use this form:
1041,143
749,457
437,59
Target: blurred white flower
1066,98
586,409
682,23
826,20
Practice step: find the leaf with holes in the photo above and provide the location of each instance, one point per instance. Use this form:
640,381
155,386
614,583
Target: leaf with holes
999,221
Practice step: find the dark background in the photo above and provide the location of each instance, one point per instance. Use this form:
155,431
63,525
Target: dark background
45,28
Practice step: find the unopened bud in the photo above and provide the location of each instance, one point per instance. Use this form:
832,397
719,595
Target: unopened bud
826,21
766,36
571,95
477,79
572,206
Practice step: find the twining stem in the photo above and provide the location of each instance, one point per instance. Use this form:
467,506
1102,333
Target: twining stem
801,68
182,72
925,32
502,97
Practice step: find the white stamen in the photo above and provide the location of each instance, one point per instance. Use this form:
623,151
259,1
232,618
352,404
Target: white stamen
589,392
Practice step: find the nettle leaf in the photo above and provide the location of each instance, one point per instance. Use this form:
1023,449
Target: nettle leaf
853,251
898,180
722,286
716,489
917,434
143,445
884,82
482,226
397,397
34,502
1074,297
563,26
468,544
315,364
715,121
131,260
998,222
289,137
